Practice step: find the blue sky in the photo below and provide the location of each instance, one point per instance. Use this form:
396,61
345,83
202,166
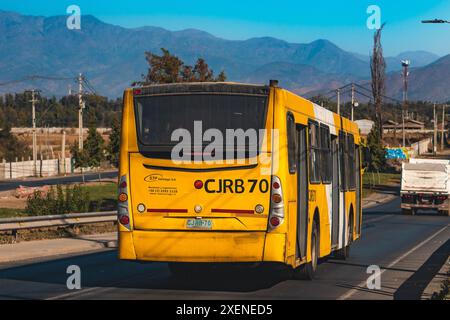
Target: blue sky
341,21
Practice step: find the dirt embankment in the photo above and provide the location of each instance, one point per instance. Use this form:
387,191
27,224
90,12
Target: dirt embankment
17,199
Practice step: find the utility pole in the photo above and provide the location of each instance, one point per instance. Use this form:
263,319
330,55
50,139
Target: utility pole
405,65
435,130
443,126
353,99
80,112
33,115
338,93
63,152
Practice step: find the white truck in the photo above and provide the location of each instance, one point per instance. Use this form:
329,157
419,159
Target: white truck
425,185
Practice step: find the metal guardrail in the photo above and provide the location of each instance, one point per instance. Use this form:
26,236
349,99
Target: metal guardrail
71,219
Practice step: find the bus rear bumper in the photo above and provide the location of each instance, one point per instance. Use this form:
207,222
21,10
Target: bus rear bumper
201,246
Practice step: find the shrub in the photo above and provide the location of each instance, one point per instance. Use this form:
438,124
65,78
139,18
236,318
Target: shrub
58,201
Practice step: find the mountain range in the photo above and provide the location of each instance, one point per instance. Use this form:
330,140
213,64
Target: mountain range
112,57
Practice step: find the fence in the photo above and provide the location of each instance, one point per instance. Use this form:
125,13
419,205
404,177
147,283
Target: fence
418,148
44,168
421,147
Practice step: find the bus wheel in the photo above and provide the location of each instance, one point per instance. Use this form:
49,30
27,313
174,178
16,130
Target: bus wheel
307,270
344,253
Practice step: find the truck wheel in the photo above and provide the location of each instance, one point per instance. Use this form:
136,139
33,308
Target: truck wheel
408,212
307,270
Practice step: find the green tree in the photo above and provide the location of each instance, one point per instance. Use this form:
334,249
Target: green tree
94,147
114,143
202,71
79,156
377,159
378,70
168,68
221,77
11,147
187,74
163,69
93,150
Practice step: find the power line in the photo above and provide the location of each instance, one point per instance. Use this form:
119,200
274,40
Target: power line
36,77
89,85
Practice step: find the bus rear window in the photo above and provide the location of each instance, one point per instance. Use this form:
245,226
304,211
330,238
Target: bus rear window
157,117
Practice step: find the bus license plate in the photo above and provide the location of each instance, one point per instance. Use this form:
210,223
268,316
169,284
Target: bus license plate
199,223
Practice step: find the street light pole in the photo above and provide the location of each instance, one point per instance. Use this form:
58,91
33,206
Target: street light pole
405,65
33,115
443,127
438,21
80,112
353,99
338,93
435,125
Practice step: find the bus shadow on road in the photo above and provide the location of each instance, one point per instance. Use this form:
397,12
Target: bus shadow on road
415,285
229,278
104,270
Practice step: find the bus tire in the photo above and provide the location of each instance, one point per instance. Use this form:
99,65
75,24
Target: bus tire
344,253
307,271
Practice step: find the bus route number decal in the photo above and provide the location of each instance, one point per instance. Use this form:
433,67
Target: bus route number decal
236,186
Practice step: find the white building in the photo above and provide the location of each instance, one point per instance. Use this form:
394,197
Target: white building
365,126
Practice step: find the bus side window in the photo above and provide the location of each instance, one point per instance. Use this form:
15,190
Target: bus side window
291,143
342,160
325,154
314,153
351,162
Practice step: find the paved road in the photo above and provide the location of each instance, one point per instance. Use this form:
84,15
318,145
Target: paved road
37,182
409,249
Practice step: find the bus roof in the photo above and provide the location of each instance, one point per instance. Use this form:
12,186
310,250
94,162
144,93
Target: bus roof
195,87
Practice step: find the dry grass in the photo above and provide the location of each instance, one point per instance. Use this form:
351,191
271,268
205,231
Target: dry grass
57,232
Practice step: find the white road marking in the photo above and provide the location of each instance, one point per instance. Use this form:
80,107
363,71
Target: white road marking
377,219
351,292
97,290
73,293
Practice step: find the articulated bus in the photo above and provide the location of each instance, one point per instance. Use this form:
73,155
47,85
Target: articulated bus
295,199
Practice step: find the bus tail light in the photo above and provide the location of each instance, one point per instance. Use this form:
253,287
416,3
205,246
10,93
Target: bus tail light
276,216
123,213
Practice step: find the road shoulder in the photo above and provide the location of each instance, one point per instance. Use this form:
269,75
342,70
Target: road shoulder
29,250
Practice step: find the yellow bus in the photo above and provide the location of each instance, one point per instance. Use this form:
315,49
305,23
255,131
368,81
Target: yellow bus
293,200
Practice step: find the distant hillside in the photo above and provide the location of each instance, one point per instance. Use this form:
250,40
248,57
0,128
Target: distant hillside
417,58
428,83
112,57
302,78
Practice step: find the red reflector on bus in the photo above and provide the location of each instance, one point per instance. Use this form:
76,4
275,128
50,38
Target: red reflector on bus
276,185
123,184
198,184
123,197
274,221
276,198
168,210
124,220
237,211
